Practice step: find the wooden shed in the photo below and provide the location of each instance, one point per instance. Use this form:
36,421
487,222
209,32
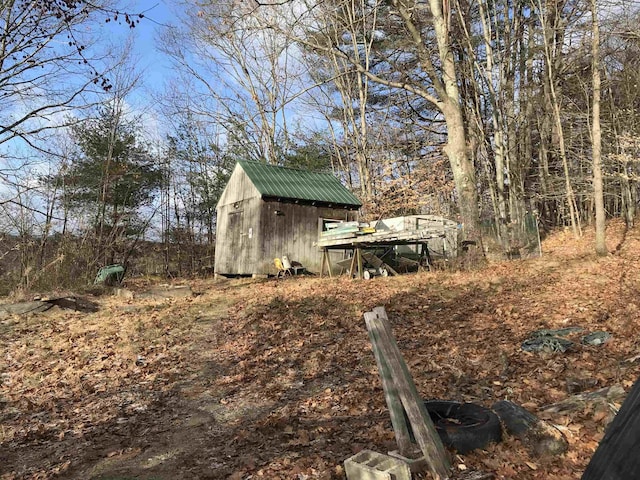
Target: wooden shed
266,212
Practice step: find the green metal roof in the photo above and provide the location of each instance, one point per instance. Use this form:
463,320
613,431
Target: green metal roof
291,183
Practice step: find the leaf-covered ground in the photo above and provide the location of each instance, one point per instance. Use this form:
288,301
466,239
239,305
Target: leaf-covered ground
276,378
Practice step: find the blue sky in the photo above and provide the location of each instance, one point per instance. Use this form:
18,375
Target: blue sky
157,14
154,65
156,68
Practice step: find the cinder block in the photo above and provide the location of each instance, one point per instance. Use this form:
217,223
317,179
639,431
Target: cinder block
416,465
370,465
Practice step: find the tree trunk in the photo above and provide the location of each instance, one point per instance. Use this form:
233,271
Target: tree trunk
549,24
464,177
571,198
601,245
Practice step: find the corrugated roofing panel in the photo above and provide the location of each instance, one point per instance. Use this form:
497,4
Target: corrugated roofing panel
283,182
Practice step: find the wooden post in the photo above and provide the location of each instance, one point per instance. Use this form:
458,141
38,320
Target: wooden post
404,390
359,260
325,261
391,394
352,266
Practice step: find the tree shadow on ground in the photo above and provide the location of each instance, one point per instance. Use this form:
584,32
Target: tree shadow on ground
286,382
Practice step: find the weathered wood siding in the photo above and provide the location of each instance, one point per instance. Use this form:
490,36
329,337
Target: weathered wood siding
292,229
239,188
237,230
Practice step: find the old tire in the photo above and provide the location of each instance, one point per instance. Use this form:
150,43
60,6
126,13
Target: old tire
517,421
463,426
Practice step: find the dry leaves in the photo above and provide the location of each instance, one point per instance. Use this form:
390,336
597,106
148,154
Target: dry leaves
276,379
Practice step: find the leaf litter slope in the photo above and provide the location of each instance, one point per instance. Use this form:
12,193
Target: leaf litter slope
276,379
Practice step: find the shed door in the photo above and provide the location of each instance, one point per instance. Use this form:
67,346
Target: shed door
236,242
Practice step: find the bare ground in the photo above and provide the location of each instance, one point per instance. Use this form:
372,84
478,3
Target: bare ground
276,379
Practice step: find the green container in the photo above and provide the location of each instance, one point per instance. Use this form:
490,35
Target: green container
110,275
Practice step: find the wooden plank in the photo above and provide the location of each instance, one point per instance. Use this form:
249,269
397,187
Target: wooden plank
25,307
617,455
383,237
337,231
335,242
423,428
391,394
325,261
372,260
377,262
407,262
603,396
341,224
345,263
352,265
338,235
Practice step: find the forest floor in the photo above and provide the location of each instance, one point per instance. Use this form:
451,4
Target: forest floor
276,379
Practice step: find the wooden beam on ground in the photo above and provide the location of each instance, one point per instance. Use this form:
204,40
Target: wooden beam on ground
540,437
614,393
422,426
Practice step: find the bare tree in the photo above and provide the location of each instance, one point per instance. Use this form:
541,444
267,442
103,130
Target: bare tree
432,76
244,73
353,86
596,135
197,168
551,46
47,62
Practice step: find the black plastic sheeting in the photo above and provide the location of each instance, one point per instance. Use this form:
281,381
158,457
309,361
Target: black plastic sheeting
617,455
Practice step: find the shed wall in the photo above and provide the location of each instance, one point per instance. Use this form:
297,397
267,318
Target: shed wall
237,225
238,237
292,229
252,232
239,188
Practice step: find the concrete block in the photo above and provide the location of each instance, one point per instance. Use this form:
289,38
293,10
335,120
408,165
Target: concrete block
416,465
370,465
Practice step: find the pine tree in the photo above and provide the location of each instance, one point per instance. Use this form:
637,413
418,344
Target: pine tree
113,177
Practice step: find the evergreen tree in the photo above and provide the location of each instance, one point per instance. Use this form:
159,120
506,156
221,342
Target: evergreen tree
113,177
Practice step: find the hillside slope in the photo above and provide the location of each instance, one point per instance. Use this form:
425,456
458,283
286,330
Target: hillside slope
276,379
